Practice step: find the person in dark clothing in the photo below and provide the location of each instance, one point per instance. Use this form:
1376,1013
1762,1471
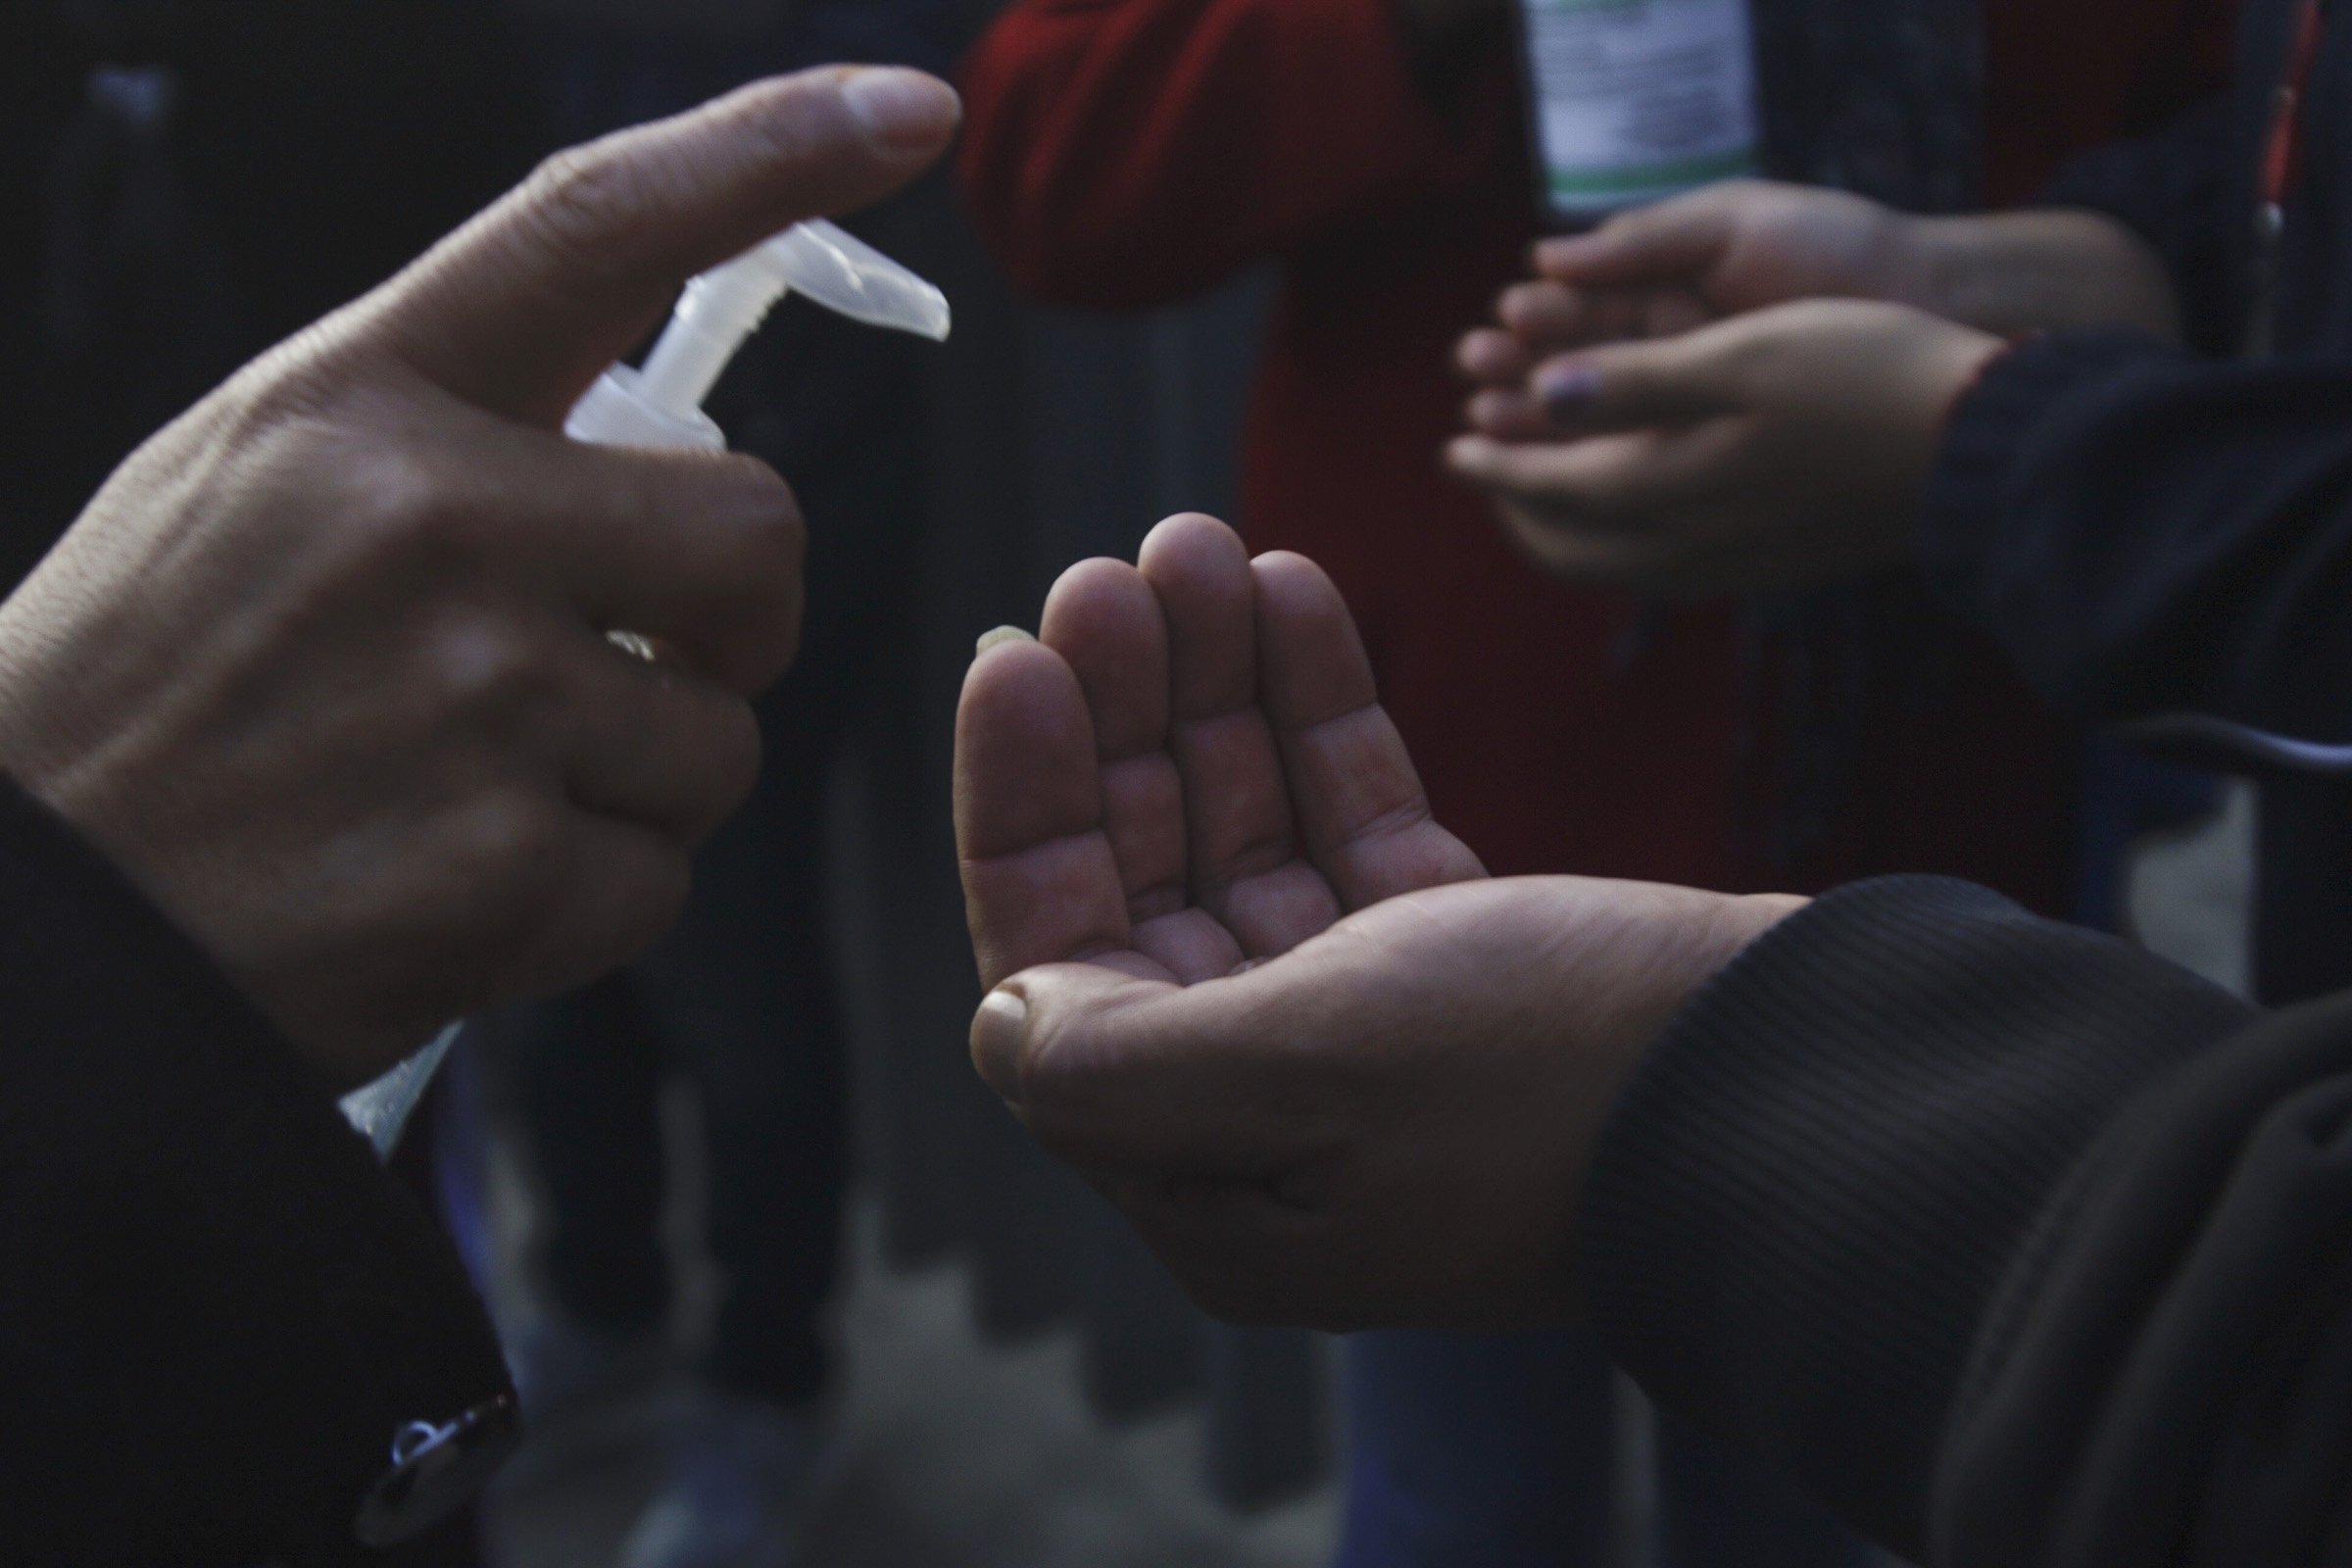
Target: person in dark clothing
2014,1244
312,740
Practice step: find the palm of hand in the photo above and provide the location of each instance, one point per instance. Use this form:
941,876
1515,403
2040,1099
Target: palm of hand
1190,772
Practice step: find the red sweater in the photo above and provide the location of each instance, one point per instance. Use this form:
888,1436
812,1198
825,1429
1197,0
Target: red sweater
1130,153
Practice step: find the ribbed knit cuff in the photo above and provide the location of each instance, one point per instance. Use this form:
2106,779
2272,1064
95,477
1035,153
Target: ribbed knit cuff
1805,1202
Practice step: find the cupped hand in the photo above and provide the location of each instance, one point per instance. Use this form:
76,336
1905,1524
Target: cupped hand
323,668
1189,771
1244,983
1662,271
1777,450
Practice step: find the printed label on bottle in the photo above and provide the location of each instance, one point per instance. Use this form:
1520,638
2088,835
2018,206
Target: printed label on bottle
1639,99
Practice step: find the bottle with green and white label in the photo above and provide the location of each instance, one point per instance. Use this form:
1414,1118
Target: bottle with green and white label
1635,100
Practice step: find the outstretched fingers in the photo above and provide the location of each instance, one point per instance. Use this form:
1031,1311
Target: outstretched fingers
1105,621
1362,816
1243,865
1039,882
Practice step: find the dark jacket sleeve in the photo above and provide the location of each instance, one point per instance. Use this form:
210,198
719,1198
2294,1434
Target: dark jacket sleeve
2017,1244
2142,531
2188,189
2182,191
217,1312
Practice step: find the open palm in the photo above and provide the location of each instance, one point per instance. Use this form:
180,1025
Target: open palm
1189,771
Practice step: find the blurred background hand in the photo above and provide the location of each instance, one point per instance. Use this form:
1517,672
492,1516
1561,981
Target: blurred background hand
1777,450
1744,245
1659,271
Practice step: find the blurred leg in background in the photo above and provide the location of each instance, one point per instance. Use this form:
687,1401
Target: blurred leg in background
1476,1449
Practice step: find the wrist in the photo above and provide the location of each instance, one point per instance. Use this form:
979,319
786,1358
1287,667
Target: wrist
1959,278
2015,273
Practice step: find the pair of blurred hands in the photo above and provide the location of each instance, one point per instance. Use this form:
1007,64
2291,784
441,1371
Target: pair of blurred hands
1744,389
1242,981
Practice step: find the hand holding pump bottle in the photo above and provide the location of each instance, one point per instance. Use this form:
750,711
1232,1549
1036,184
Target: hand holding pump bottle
661,405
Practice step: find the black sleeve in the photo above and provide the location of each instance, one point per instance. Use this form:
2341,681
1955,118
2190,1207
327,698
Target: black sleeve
2142,531
2017,1244
217,1312
2182,190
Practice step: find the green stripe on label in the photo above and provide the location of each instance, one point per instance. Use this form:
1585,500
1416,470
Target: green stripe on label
1651,176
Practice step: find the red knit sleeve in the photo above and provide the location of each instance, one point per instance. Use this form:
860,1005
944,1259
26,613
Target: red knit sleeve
1133,152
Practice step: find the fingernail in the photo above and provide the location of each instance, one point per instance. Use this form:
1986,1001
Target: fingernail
996,1031
1568,389
902,111
1002,634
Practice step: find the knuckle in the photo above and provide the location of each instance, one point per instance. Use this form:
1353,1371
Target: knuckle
509,850
577,192
286,388
716,774
403,509
771,535
577,200
757,566
475,659
398,500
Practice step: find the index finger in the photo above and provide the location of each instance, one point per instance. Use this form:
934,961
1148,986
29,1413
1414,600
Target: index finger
1672,239
522,308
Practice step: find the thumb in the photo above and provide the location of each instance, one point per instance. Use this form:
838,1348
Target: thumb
1639,385
1671,240
1125,1075
520,310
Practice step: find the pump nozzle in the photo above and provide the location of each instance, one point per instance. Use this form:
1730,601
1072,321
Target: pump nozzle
661,405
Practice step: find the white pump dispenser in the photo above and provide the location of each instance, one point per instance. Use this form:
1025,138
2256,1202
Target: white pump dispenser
662,405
